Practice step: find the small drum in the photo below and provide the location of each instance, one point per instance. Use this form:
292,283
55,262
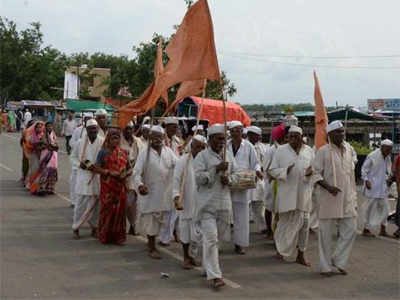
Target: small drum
245,180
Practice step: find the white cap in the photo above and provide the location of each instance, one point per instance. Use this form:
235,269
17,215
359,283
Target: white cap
216,128
200,138
91,122
130,124
146,126
244,131
146,119
387,142
254,129
297,129
200,127
291,120
234,124
87,115
157,129
170,120
334,125
100,112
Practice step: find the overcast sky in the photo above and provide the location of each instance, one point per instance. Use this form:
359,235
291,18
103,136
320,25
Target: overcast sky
256,41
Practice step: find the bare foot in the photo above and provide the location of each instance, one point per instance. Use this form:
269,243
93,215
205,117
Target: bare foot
218,283
154,254
187,265
278,256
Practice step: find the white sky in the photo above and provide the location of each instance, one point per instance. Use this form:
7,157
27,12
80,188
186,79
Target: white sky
248,33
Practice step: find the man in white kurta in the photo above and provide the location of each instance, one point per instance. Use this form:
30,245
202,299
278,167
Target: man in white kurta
184,174
169,229
292,168
76,135
153,180
213,206
376,173
257,195
246,159
101,118
334,171
133,145
87,187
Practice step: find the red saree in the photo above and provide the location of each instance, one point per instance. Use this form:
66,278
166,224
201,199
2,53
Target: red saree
112,222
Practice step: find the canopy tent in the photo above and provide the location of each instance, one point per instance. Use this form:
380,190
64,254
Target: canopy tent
212,110
81,105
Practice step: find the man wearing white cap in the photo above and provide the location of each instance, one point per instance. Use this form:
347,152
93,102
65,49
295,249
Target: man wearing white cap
258,194
291,166
87,187
246,159
334,172
213,206
152,179
169,230
376,174
68,128
133,145
145,134
200,129
101,118
184,172
76,135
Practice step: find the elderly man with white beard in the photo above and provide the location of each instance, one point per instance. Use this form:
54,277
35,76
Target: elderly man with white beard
291,166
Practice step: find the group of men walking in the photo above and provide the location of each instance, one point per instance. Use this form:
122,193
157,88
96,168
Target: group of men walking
193,191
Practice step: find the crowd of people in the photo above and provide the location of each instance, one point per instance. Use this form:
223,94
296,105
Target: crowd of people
201,189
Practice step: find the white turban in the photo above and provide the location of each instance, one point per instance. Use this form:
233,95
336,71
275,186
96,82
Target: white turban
254,129
200,127
101,112
91,122
157,129
291,120
297,129
216,128
234,124
334,125
146,126
200,138
387,142
170,120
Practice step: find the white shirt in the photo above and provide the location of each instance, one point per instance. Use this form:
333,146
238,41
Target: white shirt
76,135
133,152
87,183
158,179
189,189
27,118
212,195
68,127
376,169
258,194
294,189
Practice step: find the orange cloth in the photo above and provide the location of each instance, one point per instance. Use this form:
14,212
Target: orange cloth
321,118
192,56
213,111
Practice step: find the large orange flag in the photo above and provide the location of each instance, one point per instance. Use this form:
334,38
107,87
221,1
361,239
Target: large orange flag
192,56
321,118
159,69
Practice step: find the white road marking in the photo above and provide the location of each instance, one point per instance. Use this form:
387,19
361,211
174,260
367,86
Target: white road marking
63,197
228,282
6,168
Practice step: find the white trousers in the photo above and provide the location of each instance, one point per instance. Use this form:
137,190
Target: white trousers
291,232
376,212
167,229
241,226
258,209
347,234
86,210
214,227
72,185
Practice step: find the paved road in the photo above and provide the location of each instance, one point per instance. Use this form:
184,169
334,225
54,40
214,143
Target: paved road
39,258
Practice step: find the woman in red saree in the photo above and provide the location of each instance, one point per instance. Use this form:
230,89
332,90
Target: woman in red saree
113,166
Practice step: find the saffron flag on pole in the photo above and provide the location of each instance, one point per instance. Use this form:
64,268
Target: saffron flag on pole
321,117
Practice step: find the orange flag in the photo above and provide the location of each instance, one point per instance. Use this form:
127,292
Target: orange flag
321,118
159,69
191,52
187,89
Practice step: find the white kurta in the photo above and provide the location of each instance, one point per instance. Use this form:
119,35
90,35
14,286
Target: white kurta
269,196
133,153
78,133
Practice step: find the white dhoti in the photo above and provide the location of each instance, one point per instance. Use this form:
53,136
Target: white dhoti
151,223
72,186
214,227
314,212
376,212
86,210
291,232
269,197
347,234
131,208
258,210
241,226
167,229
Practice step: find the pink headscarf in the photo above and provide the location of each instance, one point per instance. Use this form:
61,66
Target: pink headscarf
278,132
